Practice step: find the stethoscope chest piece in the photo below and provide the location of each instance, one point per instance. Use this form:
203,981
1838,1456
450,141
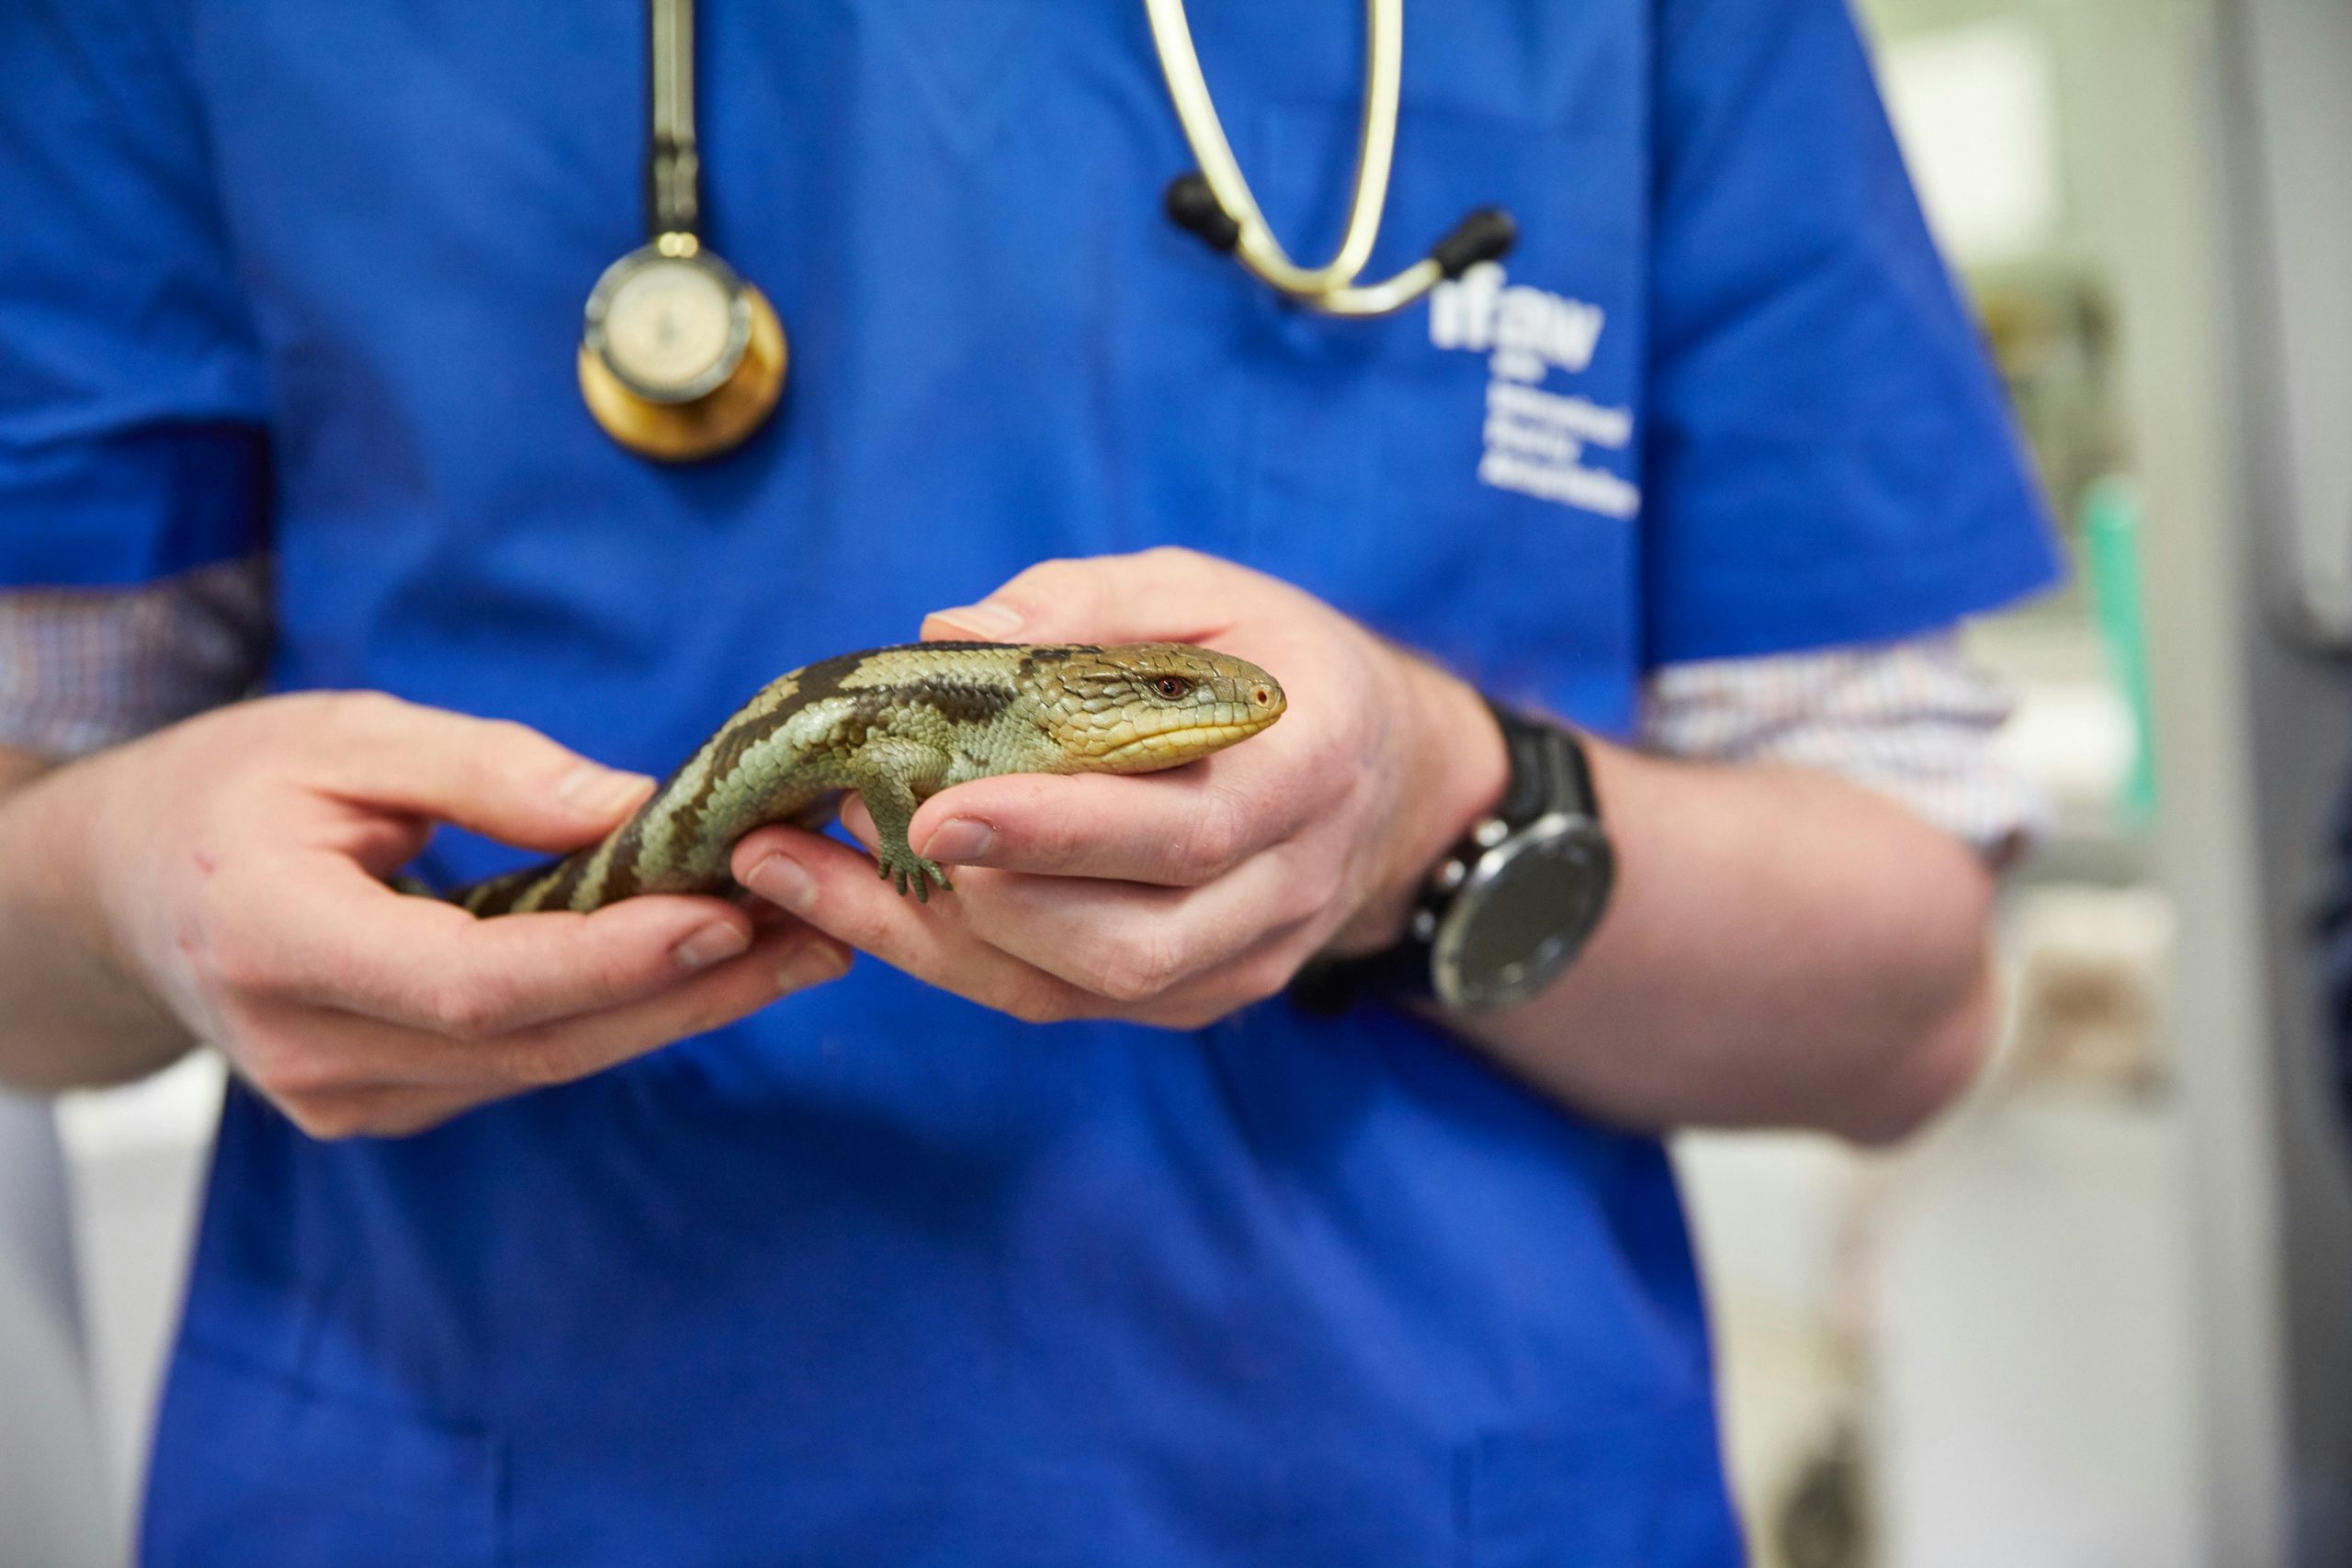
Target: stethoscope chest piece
679,358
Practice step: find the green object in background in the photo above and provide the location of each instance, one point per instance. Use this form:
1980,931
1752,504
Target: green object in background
2111,536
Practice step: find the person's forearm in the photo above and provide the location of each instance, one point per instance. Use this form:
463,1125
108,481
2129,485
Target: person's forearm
1782,948
72,1018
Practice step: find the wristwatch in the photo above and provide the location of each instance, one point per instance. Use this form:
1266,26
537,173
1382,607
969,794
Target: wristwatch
1509,907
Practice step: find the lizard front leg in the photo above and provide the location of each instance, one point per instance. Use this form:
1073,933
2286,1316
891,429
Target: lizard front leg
894,775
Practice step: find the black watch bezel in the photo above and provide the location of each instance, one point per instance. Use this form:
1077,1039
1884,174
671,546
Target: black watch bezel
1573,854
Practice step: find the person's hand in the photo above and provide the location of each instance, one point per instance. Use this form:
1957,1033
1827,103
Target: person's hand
231,866
1172,898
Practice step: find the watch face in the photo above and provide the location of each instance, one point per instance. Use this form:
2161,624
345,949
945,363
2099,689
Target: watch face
1523,913
673,328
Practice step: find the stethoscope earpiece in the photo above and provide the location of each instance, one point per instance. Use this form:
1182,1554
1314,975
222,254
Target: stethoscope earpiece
1193,206
1484,235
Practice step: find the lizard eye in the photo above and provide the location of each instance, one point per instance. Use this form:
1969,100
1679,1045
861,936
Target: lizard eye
1171,686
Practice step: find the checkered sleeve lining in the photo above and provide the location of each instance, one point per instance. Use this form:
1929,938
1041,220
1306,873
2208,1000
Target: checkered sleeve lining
1912,719
82,669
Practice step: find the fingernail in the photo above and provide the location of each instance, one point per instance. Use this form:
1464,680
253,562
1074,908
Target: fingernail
784,882
812,966
960,842
599,790
989,619
718,940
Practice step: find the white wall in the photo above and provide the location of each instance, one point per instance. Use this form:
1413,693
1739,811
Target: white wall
53,1511
97,1205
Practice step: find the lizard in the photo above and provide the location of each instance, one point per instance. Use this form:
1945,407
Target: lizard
897,726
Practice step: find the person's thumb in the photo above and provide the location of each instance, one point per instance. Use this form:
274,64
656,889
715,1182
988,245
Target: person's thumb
1160,595
494,776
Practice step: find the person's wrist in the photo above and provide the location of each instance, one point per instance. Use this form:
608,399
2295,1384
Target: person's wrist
55,835
84,828
1457,770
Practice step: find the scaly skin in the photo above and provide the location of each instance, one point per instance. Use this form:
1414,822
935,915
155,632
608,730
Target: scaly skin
897,725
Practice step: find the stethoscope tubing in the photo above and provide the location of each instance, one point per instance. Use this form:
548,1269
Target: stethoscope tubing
1330,289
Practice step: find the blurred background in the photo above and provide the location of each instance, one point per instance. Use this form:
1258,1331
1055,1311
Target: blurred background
2101,1316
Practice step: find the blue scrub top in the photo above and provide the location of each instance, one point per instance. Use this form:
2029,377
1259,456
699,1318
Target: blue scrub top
878,1275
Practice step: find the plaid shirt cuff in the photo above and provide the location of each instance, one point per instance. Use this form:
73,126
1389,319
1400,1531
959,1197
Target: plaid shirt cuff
1913,720
82,669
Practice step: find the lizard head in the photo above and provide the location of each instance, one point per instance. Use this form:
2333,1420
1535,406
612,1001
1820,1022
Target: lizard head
1148,705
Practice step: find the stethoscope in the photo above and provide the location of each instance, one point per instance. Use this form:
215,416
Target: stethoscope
681,358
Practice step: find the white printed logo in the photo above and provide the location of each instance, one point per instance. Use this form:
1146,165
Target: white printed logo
1535,439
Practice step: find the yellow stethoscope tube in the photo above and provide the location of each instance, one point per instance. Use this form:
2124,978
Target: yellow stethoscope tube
1216,204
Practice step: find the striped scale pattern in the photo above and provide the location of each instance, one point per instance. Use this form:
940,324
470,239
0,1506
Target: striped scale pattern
897,725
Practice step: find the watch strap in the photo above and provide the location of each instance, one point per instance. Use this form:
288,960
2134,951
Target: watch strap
1548,771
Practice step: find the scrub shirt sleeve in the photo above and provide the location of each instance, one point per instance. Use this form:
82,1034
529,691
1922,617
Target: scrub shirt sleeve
131,392
1830,459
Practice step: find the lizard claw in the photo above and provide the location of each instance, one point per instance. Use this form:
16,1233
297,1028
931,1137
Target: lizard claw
914,874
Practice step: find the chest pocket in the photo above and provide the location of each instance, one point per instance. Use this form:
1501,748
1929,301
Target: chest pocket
1371,444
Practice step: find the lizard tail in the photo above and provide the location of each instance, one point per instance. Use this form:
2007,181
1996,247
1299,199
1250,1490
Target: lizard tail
499,895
